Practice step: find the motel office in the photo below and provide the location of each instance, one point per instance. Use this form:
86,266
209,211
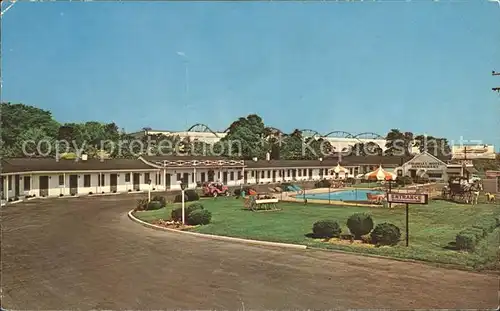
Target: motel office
47,177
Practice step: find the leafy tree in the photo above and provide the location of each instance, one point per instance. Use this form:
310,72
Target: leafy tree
245,138
17,120
398,143
433,145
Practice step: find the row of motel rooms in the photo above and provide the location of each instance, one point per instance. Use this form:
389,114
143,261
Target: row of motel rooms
48,177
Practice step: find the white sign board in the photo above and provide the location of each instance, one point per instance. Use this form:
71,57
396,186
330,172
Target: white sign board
408,198
473,152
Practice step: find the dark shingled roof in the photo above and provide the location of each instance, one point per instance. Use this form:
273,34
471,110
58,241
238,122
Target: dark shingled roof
14,165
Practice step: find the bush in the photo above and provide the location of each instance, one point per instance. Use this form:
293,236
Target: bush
141,205
192,195
153,205
360,224
177,213
479,233
199,217
161,199
404,180
487,224
326,229
189,195
385,234
350,180
366,239
322,184
466,241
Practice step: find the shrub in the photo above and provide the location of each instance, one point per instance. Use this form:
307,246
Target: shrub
153,205
350,180
189,195
479,233
360,224
192,195
322,184
466,241
141,204
404,180
385,234
177,213
487,224
326,229
161,199
199,217
366,239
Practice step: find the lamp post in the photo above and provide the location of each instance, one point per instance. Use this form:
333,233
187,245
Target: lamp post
149,190
183,188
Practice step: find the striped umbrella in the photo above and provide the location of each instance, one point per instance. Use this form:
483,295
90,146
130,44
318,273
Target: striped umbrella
380,174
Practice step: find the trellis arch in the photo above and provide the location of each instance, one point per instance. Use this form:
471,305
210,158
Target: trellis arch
310,133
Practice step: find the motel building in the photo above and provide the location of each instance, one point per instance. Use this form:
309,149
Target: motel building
47,177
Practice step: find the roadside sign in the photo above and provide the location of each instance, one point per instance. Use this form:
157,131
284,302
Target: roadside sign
408,198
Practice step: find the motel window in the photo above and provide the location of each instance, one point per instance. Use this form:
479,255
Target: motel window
262,174
159,179
146,178
299,173
231,176
9,182
103,179
61,180
310,172
179,178
239,175
288,173
253,174
192,177
202,177
86,181
305,172
127,177
27,183
268,174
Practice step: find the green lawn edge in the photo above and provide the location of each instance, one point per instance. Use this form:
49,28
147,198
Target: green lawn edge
432,227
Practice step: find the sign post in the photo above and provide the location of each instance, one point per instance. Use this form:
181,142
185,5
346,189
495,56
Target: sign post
407,199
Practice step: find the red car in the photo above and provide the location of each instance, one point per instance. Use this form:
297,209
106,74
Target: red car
215,189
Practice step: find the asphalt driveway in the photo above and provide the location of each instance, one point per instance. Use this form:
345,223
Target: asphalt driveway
84,253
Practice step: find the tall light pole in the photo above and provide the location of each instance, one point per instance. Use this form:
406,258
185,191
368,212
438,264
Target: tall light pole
183,188
186,81
493,73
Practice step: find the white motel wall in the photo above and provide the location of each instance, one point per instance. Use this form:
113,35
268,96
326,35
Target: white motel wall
50,178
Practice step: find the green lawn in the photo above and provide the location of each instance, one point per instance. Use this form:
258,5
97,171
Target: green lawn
432,227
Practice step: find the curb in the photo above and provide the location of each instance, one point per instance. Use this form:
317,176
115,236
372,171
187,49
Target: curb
216,237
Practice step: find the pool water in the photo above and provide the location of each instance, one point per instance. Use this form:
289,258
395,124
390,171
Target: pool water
343,195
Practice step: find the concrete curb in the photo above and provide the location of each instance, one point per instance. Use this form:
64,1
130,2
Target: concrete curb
216,237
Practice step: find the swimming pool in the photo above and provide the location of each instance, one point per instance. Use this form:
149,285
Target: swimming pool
342,195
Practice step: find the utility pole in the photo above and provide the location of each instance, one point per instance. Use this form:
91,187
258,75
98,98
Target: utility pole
493,73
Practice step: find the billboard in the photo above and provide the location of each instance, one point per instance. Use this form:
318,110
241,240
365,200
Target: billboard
473,152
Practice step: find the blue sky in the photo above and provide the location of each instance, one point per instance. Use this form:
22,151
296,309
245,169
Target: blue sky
420,66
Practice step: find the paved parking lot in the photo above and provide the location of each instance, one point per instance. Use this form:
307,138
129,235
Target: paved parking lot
85,253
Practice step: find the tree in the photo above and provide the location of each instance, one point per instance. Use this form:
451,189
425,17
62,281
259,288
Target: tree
434,145
17,119
398,143
373,149
245,138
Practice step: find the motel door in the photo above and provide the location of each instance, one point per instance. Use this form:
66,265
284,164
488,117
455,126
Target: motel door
136,181
211,174
44,185
224,178
245,177
16,183
113,182
274,176
167,181
73,184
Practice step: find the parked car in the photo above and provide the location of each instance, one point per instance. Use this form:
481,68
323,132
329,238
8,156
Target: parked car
215,189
